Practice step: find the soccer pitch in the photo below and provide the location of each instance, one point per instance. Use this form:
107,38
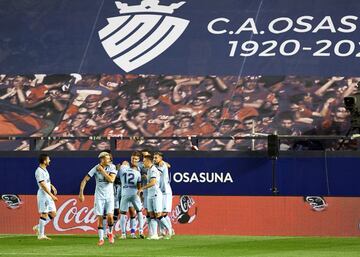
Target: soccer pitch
181,246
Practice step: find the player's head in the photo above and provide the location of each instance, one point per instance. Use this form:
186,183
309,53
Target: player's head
105,158
135,158
109,152
44,159
148,160
145,152
158,157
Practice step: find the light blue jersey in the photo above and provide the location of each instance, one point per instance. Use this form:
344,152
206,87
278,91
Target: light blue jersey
142,171
130,178
164,179
43,175
153,173
103,189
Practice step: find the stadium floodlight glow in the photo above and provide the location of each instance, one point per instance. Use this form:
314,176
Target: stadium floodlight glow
352,104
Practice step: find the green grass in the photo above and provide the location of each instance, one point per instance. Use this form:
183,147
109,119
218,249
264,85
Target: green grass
182,246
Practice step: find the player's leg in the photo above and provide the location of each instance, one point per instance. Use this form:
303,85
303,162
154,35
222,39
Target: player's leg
116,217
138,207
158,207
147,215
51,208
167,207
161,225
99,208
42,224
153,227
104,224
132,214
117,199
124,206
45,206
109,208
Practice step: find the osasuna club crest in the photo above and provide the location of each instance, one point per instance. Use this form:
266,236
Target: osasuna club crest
141,32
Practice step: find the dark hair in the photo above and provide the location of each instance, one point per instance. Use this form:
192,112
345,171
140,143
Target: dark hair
145,150
148,157
159,153
137,153
42,157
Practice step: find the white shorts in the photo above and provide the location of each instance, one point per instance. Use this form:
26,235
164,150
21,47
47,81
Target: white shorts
130,201
45,204
167,202
103,206
154,203
145,199
117,196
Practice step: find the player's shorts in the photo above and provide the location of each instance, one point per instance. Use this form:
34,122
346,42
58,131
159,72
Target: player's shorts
130,201
145,198
45,204
117,196
154,203
104,206
166,202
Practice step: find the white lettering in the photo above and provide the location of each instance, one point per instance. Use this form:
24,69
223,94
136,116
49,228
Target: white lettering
202,177
307,26
287,20
344,21
212,23
252,27
177,177
71,214
325,24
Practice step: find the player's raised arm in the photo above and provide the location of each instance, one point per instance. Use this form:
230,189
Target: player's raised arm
110,177
82,187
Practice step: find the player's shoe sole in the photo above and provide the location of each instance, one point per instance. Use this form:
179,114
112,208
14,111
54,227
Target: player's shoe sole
43,238
155,238
100,243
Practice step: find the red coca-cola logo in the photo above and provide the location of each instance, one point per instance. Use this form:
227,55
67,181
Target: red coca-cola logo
70,217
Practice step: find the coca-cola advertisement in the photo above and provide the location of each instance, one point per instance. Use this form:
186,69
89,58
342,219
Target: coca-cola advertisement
200,215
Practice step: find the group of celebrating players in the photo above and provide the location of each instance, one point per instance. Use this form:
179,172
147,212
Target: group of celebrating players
126,188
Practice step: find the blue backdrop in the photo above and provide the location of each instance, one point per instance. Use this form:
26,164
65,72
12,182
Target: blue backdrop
333,176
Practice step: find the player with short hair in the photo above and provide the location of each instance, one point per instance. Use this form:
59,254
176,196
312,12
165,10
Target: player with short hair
130,182
154,197
143,172
105,173
165,187
46,196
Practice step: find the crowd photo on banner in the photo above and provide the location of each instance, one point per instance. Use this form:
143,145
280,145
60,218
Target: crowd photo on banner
141,106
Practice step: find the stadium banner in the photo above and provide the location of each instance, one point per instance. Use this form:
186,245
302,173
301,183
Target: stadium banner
194,215
231,176
181,37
